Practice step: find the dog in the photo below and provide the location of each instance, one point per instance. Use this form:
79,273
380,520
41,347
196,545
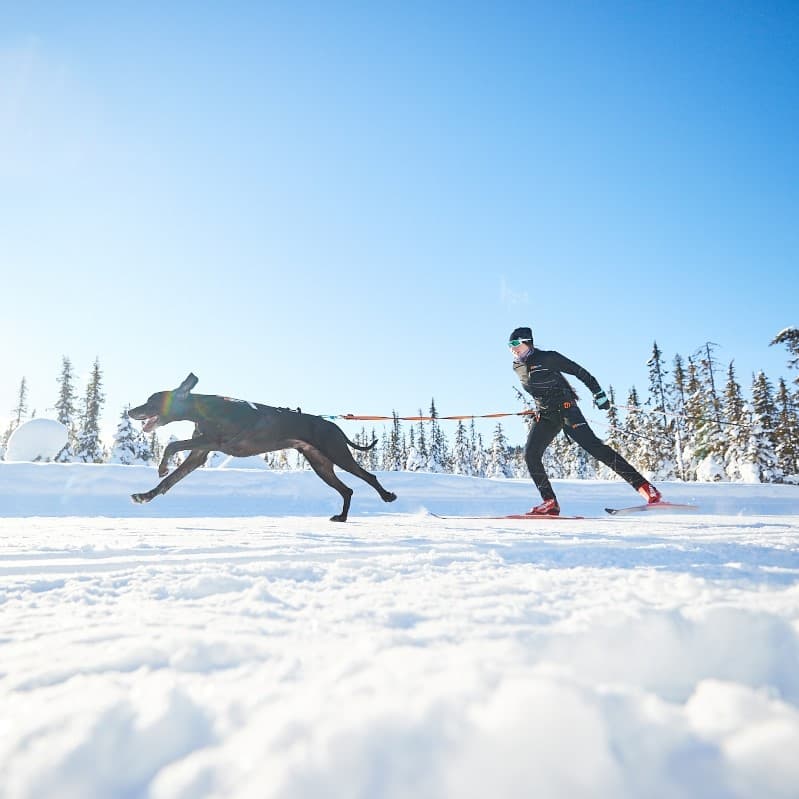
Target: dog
241,428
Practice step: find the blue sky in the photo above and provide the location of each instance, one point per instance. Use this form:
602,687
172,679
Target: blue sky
348,206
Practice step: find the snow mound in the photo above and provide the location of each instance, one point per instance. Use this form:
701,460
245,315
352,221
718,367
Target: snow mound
37,440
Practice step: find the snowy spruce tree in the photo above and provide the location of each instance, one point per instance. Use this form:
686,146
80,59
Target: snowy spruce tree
368,459
657,459
21,410
423,452
438,455
704,452
462,455
154,449
18,413
613,420
632,438
385,457
479,459
738,431
129,445
787,433
499,463
89,446
762,446
414,462
361,440
391,457
675,403
371,459
66,411
790,338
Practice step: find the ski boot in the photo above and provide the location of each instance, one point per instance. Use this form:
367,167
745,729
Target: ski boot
549,507
650,493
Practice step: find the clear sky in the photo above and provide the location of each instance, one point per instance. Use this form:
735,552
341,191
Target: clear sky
348,206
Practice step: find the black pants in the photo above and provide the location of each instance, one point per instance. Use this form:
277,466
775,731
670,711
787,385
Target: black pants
571,420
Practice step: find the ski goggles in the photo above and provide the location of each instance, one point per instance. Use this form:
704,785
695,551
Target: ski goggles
514,342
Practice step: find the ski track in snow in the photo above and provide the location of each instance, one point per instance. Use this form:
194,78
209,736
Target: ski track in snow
399,655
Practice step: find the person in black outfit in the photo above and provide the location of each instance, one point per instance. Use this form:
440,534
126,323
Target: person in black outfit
541,374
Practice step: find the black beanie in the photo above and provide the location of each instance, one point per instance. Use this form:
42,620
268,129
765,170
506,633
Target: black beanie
523,333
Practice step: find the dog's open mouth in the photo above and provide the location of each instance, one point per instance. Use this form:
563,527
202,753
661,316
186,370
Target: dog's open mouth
150,423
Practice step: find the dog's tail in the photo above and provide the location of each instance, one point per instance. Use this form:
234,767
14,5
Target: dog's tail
362,448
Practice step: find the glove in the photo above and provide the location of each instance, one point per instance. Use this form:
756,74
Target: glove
601,400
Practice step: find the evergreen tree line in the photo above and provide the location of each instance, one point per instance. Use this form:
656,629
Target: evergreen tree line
693,424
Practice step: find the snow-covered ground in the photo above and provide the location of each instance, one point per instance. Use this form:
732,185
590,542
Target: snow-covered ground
227,640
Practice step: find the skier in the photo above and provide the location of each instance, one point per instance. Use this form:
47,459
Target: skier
540,372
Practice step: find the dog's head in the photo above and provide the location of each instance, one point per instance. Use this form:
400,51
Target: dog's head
164,407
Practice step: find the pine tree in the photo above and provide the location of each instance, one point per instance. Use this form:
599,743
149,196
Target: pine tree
413,460
421,444
396,456
657,457
790,338
737,439
762,445
787,433
764,406
499,463
359,454
21,409
703,420
387,462
372,460
614,423
480,456
90,448
438,457
708,366
129,445
155,449
633,433
676,393
18,413
65,410
476,459
462,461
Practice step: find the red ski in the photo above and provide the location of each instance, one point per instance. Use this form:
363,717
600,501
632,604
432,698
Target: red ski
525,516
659,506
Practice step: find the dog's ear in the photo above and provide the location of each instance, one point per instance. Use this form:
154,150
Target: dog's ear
187,385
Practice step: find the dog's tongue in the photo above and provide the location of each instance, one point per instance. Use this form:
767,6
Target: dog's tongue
150,424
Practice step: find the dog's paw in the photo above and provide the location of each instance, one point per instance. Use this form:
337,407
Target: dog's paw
163,470
338,518
140,498
390,496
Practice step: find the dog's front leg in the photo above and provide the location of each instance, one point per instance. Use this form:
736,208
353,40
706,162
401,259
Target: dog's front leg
195,459
171,449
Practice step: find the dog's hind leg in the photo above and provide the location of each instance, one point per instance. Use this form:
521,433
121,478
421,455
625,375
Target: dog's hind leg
195,459
338,451
323,466
355,468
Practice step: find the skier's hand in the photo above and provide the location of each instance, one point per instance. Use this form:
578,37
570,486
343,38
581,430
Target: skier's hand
601,400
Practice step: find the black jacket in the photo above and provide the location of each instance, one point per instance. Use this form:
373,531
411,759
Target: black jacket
541,376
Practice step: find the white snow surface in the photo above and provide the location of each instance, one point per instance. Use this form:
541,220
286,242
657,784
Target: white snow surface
227,640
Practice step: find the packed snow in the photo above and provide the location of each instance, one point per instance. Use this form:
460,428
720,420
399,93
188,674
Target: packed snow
227,640
36,440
